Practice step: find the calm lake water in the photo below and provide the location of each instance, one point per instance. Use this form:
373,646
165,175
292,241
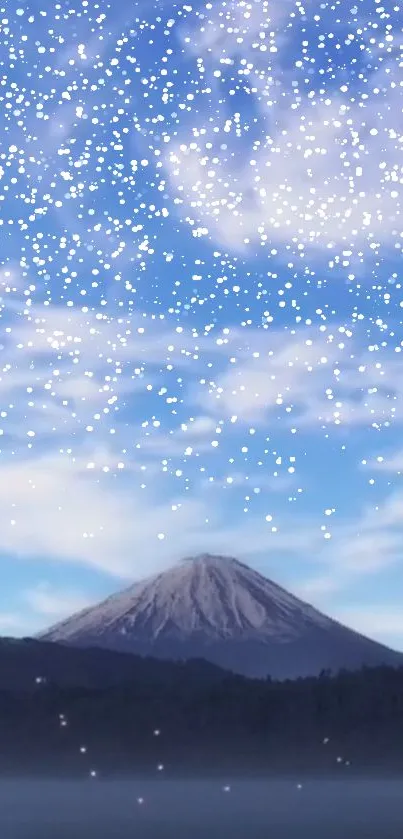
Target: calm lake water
354,809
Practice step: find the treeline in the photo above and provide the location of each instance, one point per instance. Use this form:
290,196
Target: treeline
196,719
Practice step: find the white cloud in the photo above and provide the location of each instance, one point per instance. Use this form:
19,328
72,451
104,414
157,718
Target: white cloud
318,176
231,28
64,365
71,371
55,501
312,378
65,369
12,623
368,545
35,608
255,483
47,601
374,621
54,507
190,438
12,278
252,389
391,463
303,194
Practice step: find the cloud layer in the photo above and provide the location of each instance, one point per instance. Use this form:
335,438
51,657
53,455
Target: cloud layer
319,165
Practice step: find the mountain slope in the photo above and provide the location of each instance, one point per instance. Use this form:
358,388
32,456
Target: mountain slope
219,609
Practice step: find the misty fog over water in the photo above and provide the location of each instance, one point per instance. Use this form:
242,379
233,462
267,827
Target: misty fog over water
360,809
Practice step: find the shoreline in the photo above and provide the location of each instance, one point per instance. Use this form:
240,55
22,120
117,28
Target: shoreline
219,777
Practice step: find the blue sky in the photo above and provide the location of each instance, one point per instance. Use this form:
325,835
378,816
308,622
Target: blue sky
201,307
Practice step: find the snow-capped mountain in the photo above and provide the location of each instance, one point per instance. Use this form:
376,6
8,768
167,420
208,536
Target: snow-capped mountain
219,609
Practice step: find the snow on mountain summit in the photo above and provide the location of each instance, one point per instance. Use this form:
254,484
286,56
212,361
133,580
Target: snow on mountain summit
217,608
217,596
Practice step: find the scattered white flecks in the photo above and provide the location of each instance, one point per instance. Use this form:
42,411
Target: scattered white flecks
201,221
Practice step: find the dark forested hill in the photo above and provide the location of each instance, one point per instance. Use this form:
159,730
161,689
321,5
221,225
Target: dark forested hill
186,719
24,662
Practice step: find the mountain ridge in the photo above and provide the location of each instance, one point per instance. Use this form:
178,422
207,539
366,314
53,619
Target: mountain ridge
220,609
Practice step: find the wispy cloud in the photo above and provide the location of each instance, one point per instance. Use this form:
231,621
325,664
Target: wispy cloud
35,608
190,438
368,545
76,371
65,369
56,508
102,499
374,621
318,176
13,623
310,378
392,462
49,602
98,489
255,483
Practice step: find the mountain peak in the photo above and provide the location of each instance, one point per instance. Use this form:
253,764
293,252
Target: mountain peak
215,607
206,594
210,559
